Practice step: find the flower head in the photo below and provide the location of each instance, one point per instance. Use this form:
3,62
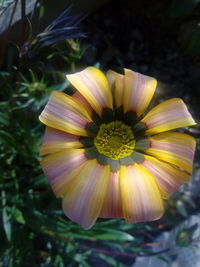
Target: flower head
106,157
66,26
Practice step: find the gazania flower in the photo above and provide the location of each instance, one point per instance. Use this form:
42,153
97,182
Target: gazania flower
105,156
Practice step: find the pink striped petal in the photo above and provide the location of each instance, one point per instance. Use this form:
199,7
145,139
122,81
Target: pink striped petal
65,113
94,87
86,193
138,92
61,167
55,140
169,178
78,96
141,198
168,115
175,148
112,207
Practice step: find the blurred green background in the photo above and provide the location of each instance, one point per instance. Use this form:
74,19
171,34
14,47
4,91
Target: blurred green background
157,38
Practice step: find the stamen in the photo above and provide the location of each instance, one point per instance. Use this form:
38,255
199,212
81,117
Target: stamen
115,140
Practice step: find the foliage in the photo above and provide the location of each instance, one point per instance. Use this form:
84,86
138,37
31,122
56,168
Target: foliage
34,230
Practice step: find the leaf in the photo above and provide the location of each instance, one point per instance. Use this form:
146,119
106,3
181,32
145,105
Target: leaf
59,261
4,119
183,7
6,138
84,264
7,223
40,181
81,258
106,234
6,217
181,208
114,235
19,216
162,258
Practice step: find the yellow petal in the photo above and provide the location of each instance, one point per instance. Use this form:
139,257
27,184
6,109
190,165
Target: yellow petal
65,113
169,178
138,92
175,148
55,140
112,207
94,86
168,115
61,167
141,198
85,194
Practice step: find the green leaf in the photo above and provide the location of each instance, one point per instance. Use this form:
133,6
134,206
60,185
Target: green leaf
4,119
19,216
105,234
81,258
59,261
162,258
181,208
7,223
184,238
6,138
6,217
40,181
114,235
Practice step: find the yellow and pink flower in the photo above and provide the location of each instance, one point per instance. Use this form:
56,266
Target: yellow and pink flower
105,156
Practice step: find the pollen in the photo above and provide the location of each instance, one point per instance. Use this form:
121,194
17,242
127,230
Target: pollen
115,140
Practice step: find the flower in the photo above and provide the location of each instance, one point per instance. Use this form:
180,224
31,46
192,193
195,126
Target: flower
66,26
106,157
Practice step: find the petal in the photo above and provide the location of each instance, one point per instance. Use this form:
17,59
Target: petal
55,140
61,167
175,148
65,113
78,96
94,86
117,81
110,75
112,207
169,178
139,90
170,114
141,198
86,193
